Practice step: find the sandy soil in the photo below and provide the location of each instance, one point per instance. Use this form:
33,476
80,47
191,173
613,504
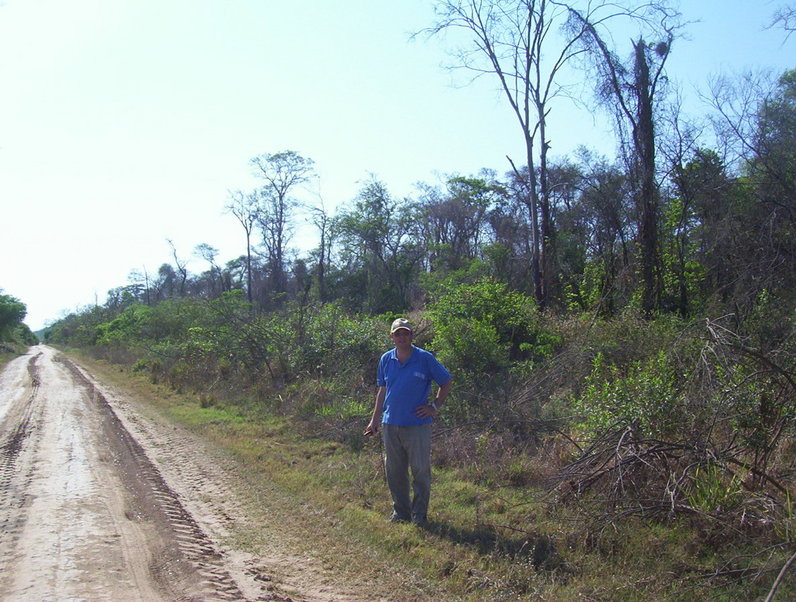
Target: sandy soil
99,502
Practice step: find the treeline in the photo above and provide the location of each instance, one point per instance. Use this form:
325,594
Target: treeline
459,257
724,232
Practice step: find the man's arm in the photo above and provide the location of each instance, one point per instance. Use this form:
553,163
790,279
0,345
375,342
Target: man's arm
375,420
442,393
426,411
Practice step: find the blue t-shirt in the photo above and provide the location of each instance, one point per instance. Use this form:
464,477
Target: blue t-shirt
408,385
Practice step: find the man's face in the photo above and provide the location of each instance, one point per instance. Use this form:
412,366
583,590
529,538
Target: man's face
402,337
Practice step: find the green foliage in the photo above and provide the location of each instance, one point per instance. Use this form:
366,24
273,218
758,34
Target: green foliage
25,335
646,395
127,328
437,282
481,328
379,251
484,332
589,292
328,338
12,312
345,409
683,279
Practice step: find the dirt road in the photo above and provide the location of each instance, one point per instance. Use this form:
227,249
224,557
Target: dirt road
99,503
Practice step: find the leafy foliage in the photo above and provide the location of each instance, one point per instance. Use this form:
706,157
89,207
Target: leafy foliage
12,327
12,312
645,396
482,328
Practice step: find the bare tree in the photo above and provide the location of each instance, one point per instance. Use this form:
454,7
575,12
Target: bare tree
323,222
282,172
181,265
516,41
245,208
736,102
785,17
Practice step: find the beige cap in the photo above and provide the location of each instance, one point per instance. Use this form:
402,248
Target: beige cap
401,323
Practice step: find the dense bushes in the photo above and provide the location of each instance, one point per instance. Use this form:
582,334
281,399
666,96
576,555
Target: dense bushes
224,344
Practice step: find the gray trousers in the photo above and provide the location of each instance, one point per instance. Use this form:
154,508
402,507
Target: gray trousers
408,448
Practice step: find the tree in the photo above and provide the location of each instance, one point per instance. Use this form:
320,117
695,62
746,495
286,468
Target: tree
12,312
607,225
379,250
141,288
631,91
323,222
165,286
756,118
514,40
454,221
282,172
245,208
209,254
785,17
181,266
773,166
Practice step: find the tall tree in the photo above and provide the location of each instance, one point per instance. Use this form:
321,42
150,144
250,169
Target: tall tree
282,172
245,208
707,226
377,237
209,254
758,120
607,203
631,90
516,41
323,222
181,265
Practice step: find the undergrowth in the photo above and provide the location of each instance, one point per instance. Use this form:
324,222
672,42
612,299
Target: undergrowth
511,517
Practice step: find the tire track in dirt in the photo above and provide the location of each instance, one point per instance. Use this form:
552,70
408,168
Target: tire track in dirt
16,466
104,498
230,510
205,484
159,503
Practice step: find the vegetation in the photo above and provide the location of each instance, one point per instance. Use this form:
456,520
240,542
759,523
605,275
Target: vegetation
621,335
14,334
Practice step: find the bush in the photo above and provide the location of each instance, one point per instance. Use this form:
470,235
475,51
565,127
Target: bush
646,396
482,328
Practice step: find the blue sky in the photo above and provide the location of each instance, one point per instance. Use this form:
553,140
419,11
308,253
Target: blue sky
124,123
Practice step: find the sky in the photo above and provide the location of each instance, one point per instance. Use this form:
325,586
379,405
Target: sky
125,124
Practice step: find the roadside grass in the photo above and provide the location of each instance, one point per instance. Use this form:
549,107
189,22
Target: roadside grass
5,357
10,351
494,533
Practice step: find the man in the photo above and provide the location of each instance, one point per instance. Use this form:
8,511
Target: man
404,414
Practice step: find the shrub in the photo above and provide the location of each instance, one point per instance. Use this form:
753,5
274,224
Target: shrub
646,396
481,328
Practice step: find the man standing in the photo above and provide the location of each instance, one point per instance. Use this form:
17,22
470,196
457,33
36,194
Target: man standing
402,408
